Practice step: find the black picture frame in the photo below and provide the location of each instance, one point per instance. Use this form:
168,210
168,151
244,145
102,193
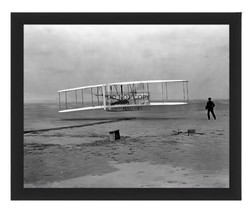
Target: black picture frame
17,107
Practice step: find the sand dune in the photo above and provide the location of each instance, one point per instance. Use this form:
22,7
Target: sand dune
148,155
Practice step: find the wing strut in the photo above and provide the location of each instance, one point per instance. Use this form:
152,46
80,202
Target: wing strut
98,95
121,89
166,92
148,92
92,96
184,91
162,92
187,91
76,97
59,101
132,88
143,94
104,98
66,99
82,91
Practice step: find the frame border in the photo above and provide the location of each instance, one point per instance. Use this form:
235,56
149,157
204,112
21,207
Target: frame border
17,103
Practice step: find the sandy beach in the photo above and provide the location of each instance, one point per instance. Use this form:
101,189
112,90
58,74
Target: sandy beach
149,154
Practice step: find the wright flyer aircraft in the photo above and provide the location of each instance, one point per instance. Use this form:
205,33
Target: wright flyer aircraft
124,96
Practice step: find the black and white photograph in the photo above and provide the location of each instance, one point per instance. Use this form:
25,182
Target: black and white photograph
126,106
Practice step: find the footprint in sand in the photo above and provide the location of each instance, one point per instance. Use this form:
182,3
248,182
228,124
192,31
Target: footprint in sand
164,158
184,182
172,182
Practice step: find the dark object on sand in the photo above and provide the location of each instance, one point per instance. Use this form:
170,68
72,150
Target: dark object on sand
190,131
114,135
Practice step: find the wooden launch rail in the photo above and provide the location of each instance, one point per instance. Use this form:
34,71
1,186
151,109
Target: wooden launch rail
75,126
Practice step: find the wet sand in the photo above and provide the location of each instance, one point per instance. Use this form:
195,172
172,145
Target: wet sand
149,153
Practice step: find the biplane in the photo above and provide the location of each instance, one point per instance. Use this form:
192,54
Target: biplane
124,96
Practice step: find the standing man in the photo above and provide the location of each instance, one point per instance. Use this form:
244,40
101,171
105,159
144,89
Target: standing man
210,108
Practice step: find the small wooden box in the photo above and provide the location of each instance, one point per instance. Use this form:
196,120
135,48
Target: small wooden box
114,135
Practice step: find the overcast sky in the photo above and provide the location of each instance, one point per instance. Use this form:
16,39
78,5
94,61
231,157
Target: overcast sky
65,56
